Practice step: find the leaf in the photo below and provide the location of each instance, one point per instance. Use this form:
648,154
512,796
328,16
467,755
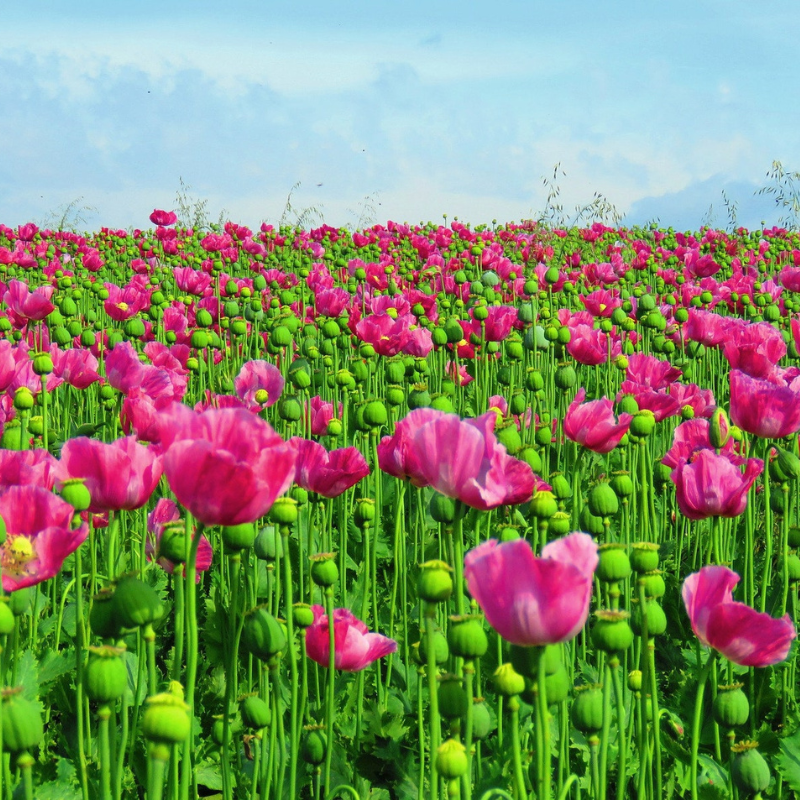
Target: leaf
54,665
788,760
208,775
28,675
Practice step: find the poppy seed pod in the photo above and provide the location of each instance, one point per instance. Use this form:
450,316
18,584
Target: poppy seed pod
262,634
324,570
435,581
166,719
106,676
315,745
451,760
467,638
611,632
644,556
453,700
255,712
23,728
731,707
750,771
239,537
614,564
603,501
508,681
587,709
136,603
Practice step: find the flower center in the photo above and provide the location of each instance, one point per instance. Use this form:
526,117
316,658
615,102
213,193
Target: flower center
18,552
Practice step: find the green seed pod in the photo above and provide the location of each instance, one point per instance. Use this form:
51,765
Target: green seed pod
531,457
453,700
238,537
203,318
565,377
793,567
643,423
466,637
75,493
561,487
603,501
543,505
419,397
255,713
719,430
557,686
481,719
656,619
750,771
262,634
587,709
644,556
653,583
789,463
611,632
395,371
302,615
364,511
106,676
324,570
794,536
559,523
435,582
451,760
622,484
375,414
173,542
508,681
166,719
731,708
315,745
635,680
268,544
442,508
613,565
509,437
23,728
441,650
6,617
590,523
103,619
284,511
136,603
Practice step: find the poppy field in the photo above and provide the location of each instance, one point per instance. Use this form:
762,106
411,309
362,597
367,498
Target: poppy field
425,511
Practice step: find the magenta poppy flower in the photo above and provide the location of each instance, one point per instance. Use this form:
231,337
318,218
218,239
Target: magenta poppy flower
164,512
589,346
398,455
226,466
711,484
75,366
355,648
754,348
25,305
192,281
533,601
39,535
327,473
27,468
691,436
766,408
321,413
125,302
119,475
255,377
462,459
740,633
593,424
651,372
161,217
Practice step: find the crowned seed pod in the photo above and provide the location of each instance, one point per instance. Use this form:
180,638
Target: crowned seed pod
508,681
559,524
103,618
508,533
262,634
531,457
435,581
603,501
613,565
590,523
653,584
172,545
466,637
793,567
255,712
543,504
565,377
324,570
43,363
655,616
789,464
166,719
794,536
442,508
451,760
419,396
136,603
635,680
375,414
644,556
284,511
643,423
611,631
315,745
561,487
453,700
587,709
238,537
731,707
622,484
750,771
23,399
441,650
106,676
23,727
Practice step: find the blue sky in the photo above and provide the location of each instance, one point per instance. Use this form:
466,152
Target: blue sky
425,109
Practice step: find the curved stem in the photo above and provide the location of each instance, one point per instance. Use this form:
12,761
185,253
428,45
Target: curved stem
697,719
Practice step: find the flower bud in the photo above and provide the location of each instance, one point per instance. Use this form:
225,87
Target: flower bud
603,501
453,700
442,508
262,634
23,728
719,428
435,582
315,745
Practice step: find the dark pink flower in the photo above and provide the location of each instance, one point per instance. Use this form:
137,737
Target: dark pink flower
25,305
766,408
160,217
321,413
651,372
167,511
259,384
354,647
226,466
39,535
711,484
593,424
533,601
119,475
27,468
740,633
397,454
327,473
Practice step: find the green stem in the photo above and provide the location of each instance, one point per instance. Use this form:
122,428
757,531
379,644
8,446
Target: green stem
329,687
519,779
103,714
287,576
697,719
545,778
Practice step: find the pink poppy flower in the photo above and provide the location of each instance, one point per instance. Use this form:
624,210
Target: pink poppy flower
119,475
593,425
39,535
397,454
255,377
75,366
533,601
590,346
226,466
766,408
321,413
27,468
740,633
463,459
160,217
754,348
691,436
711,484
164,512
327,473
651,372
25,305
354,647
